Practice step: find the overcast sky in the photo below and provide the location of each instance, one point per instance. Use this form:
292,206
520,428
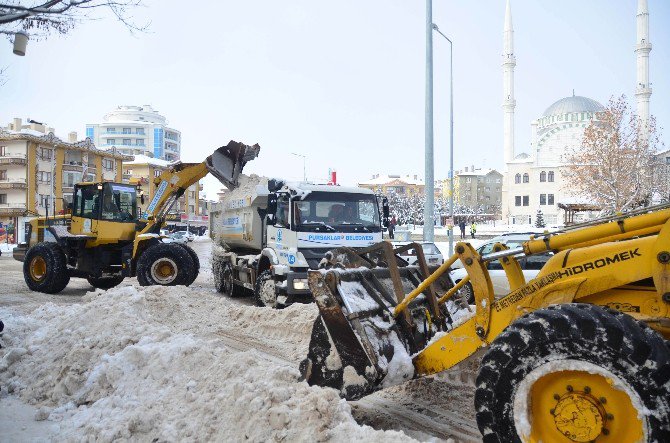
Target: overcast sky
341,82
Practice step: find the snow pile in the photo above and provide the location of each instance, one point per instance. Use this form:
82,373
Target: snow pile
160,364
7,248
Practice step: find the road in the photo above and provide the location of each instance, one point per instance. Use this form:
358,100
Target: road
432,408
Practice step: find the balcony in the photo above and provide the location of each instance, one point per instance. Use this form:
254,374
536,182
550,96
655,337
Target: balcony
123,134
13,183
12,208
73,165
8,158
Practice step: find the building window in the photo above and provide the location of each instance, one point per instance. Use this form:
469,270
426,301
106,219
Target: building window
550,199
44,200
191,209
517,200
3,174
139,131
667,159
139,142
126,130
468,180
3,199
89,132
45,154
157,172
543,176
3,151
525,200
543,199
111,141
526,178
551,176
111,130
126,141
129,172
108,164
497,180
44,177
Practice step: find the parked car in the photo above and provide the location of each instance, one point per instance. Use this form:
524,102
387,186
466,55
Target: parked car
430,250
530,265
176,237
189,235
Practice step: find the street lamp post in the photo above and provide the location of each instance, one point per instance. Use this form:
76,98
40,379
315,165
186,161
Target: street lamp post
429,208
304,170
451,137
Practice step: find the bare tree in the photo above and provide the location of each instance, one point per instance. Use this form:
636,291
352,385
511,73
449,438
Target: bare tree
43,18
614,166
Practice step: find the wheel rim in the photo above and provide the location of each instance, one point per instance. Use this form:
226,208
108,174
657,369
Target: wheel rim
38,268
267,293
164,271
227,279
576,401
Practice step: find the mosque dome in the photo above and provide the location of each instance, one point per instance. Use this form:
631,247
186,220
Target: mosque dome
575,103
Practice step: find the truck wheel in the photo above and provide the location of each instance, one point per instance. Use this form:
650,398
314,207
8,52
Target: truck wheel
45,268
575,373
165,264
196,261
264,291
105,282
226,284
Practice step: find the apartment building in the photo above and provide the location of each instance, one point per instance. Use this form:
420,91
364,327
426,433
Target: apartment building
479,188
143,169
395,184
136,130
38,170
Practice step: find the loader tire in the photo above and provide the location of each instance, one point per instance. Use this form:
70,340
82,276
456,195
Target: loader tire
264,290
105,282
575,372
45,268
196,262
224,281
165,264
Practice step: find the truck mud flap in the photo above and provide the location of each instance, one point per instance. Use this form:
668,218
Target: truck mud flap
227,162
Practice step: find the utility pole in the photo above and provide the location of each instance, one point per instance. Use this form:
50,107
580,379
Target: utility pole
429,209
451,137
304,170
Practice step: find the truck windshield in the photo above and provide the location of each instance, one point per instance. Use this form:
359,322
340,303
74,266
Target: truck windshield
329,211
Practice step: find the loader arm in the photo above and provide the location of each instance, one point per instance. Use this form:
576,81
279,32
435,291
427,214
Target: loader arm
225,163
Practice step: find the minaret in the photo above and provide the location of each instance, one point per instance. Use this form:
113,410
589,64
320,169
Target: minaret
642,50
508,64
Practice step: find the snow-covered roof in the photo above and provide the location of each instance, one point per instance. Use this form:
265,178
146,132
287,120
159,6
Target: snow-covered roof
522,158
28,131
383,179
477,172
141,159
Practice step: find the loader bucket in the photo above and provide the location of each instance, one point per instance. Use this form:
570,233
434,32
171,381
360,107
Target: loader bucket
357,345
226,163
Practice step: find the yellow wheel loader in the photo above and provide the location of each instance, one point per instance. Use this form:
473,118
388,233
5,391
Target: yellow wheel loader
105,239
577,354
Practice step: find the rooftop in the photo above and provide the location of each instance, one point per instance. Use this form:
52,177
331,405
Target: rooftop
146,160
382,179
574,103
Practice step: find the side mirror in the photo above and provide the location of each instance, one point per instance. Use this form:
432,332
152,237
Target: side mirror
272,204
386,212
271,219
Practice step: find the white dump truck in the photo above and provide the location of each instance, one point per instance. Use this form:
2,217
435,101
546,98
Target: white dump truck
269,233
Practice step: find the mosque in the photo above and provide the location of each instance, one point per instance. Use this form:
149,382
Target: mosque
533,180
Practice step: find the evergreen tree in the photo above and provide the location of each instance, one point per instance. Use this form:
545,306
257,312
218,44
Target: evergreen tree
539,219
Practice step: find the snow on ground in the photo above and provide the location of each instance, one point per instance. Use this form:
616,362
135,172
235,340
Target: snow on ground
7,247
171,364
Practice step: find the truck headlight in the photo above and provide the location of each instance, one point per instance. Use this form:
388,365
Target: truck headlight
300,284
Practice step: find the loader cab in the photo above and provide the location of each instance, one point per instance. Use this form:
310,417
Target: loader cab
106,211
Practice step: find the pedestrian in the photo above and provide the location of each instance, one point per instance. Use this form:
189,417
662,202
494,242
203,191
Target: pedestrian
473,229
391,227
461,226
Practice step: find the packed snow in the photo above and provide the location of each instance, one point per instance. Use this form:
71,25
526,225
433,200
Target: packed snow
171,364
